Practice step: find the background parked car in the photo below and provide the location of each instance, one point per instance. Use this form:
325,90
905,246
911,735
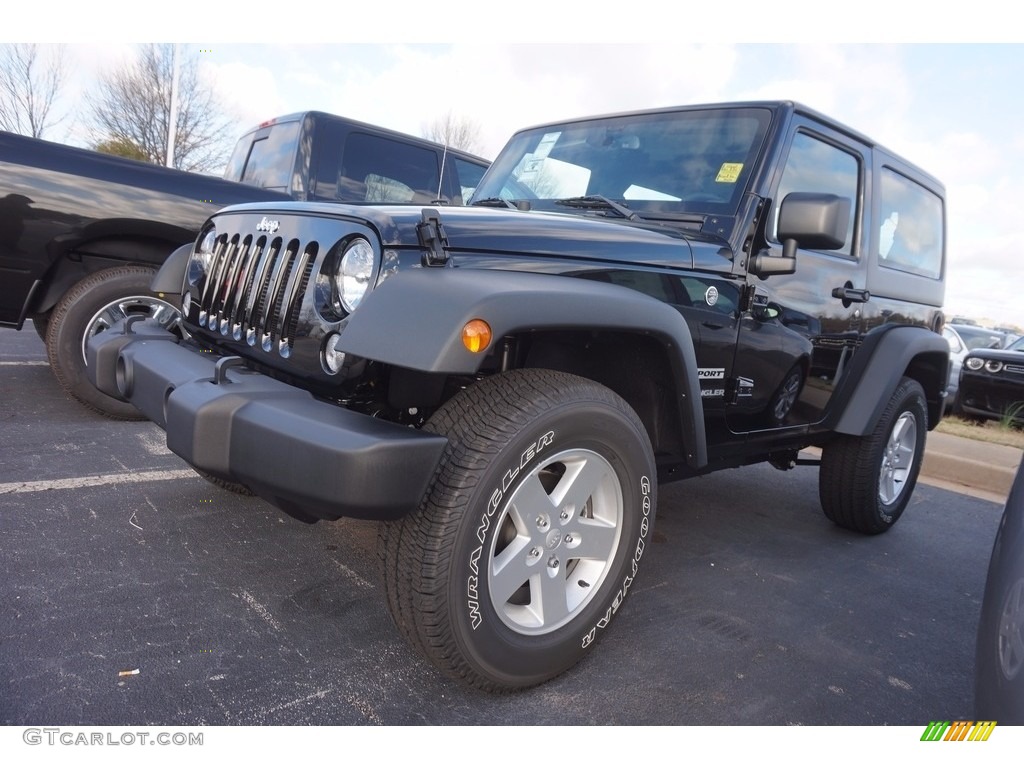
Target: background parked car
1010,334
976,337
999,654
992,383
957,352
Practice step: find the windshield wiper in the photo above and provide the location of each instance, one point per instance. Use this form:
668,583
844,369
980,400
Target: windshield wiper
496,202
599,202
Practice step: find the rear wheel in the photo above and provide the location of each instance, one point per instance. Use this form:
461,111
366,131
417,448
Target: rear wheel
531,533
91,307
866,481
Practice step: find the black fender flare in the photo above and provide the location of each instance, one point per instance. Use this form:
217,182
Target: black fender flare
171,276
888,353
414,319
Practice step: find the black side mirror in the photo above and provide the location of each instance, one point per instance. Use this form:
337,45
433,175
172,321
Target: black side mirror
806,220
813,220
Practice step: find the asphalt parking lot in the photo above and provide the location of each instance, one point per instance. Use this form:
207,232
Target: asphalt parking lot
752,609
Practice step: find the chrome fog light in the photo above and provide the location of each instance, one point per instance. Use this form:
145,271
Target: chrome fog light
331,358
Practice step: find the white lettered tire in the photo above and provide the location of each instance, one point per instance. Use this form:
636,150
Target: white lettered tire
531,534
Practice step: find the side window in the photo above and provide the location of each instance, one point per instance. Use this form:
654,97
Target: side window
469,177
271,159
817,166
910,235
379,170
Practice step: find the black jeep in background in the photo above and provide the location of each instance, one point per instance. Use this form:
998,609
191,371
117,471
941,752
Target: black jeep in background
630,300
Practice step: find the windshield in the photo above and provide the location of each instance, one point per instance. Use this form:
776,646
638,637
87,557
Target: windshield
686,161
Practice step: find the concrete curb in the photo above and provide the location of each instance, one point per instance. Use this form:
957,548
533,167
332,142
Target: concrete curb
964,465
970,463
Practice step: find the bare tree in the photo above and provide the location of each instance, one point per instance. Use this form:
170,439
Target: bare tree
454,131
29,85
132,108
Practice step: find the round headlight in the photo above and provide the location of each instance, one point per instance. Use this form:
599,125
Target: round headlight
974,363
202,257
355,274
993,366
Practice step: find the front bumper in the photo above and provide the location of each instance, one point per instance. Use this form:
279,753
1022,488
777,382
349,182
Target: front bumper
992,396
312,459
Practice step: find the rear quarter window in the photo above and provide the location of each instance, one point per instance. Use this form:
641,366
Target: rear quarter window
910,233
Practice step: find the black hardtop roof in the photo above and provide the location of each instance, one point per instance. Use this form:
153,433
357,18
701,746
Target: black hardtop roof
294,116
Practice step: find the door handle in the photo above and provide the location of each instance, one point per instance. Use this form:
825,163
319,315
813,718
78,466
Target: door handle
851,295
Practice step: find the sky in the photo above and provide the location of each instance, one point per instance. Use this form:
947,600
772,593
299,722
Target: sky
943,89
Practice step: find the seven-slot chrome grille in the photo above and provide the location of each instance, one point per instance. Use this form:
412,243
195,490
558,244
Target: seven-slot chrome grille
254,288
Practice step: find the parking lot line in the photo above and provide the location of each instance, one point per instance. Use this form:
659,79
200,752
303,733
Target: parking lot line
36,486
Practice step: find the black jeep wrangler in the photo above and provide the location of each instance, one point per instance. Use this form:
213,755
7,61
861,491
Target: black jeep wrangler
631,299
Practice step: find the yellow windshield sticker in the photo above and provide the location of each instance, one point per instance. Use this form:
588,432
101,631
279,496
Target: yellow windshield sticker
729,173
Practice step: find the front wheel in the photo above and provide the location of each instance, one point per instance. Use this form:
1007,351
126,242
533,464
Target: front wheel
531,533
866,481
90,307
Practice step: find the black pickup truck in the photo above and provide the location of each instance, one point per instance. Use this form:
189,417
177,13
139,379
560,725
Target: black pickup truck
82,233
629,300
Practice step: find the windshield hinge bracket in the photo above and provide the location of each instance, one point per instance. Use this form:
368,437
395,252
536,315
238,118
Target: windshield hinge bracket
433,238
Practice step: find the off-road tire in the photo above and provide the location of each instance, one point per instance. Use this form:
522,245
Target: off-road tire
866,481
540,466
87,309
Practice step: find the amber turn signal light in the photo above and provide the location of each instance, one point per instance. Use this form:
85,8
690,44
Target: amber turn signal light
476,335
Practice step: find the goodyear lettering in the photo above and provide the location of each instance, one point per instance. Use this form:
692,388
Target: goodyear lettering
645,506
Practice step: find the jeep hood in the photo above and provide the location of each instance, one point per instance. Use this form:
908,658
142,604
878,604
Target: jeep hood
499,233
489,232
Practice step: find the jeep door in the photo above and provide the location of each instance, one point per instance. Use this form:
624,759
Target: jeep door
804,327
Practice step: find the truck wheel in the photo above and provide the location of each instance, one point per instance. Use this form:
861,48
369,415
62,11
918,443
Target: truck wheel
865,482
90,307
531,532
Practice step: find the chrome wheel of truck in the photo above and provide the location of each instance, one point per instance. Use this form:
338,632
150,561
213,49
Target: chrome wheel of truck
531,533
129,306
90,307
